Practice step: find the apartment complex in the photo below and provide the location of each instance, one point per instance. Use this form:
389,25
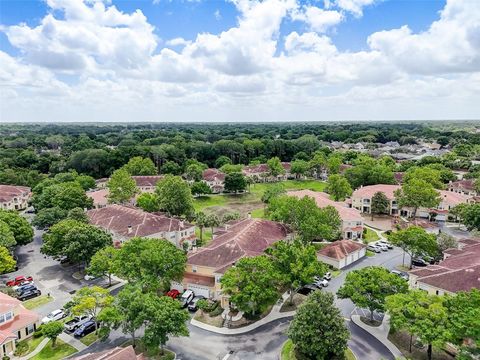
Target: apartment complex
342,253
14,197
352,221
260,172
215,179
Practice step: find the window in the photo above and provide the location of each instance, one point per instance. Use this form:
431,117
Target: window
29,329
5,317
194,269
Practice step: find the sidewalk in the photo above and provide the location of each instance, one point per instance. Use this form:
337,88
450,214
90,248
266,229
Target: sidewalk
70,340
275,314
380,333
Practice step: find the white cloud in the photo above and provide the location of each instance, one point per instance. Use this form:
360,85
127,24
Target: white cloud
250,71
217,14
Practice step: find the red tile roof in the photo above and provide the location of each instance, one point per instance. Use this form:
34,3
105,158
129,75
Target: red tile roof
118,218
213,175
8,192
23,317
458,272
341,249
249,237
322,200
198,279
467,184
144,181
262,168
99,196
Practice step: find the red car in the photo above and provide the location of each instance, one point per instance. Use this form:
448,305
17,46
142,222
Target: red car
173,293
19,280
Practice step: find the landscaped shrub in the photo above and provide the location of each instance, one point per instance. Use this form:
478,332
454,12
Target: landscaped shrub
21,349
217,311
38,332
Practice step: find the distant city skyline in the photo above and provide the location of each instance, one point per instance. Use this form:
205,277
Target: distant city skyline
239,60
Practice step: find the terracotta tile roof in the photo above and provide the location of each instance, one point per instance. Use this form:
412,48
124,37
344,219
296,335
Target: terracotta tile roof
8,192
118,353
144,181
262,168
341,249
467,184
99,196
5,335
458,272
322,200
249,237
198,279
8,303
118,218
23,317
213,175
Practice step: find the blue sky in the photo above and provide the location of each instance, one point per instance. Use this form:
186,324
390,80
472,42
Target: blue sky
239,59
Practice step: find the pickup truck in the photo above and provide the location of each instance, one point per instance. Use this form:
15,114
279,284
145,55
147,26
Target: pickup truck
19,280
76,322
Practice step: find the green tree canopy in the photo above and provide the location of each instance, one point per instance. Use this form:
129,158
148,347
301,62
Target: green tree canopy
275,167
235,182
148,202
140,166
380,204
299,168
417,193
121,187
103,263
19,226
273,191
318,330
7,262
65,195
49,216
78,214
200,188
427,174
174,196
91,300
470,216
51,330
368,287
252,284
7,239
193,172
171,167
338,187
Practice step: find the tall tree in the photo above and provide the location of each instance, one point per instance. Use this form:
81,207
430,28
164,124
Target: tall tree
78,214
252,284
299,168
194,172
318,330
235,182
201,222
51,330
48,216
415,241
318,163
7,239
422,315
121,187
446,241
470,216
153,263
19,226
148,202
417,193
338,187
368,287
380,204
427,174
200,188
103,263
91,300
7,262
174,196
65,195
84,242
140,166
273,191
171,168
275,167
296,263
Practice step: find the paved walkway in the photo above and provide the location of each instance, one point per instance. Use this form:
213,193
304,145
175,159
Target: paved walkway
275,314
70,340
380,333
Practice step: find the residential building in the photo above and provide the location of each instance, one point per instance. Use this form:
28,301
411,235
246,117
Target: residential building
465,187
14,197
352,221
117,353
239,239
362,197
260,172
99,197
16,323
215,179
125,222
147,183
101,183
459,271
342,253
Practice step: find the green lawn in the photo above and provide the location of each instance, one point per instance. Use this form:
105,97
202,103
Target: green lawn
370,236
38,301
258,213
60,351
314,185
370,253
89,339
26,346
207,234
288,352
202,202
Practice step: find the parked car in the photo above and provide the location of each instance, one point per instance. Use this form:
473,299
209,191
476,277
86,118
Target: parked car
173,293
85,329
193,304
76,322
381,246
374,248
307,289
321,283
23,285
186,297
19,280
390,246
54,316
328,276
27,287
89,277
400,273
419,262
29,294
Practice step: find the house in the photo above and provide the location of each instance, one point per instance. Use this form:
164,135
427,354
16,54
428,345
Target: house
342,253
352,221
260,172
465,187
117,353
362,198
16,323
125,222
101,183
459,271
14,197
239,239
215,179
147,183
99,197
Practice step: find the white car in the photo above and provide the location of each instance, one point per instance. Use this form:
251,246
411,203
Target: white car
374,248
54,316
386,243
321,283
186,297
382,246
89,277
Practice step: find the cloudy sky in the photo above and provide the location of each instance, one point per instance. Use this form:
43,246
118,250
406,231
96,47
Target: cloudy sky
239,60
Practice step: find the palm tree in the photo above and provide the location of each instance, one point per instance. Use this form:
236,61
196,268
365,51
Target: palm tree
201,221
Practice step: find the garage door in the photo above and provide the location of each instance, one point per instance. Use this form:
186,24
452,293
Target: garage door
199,290
176,286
